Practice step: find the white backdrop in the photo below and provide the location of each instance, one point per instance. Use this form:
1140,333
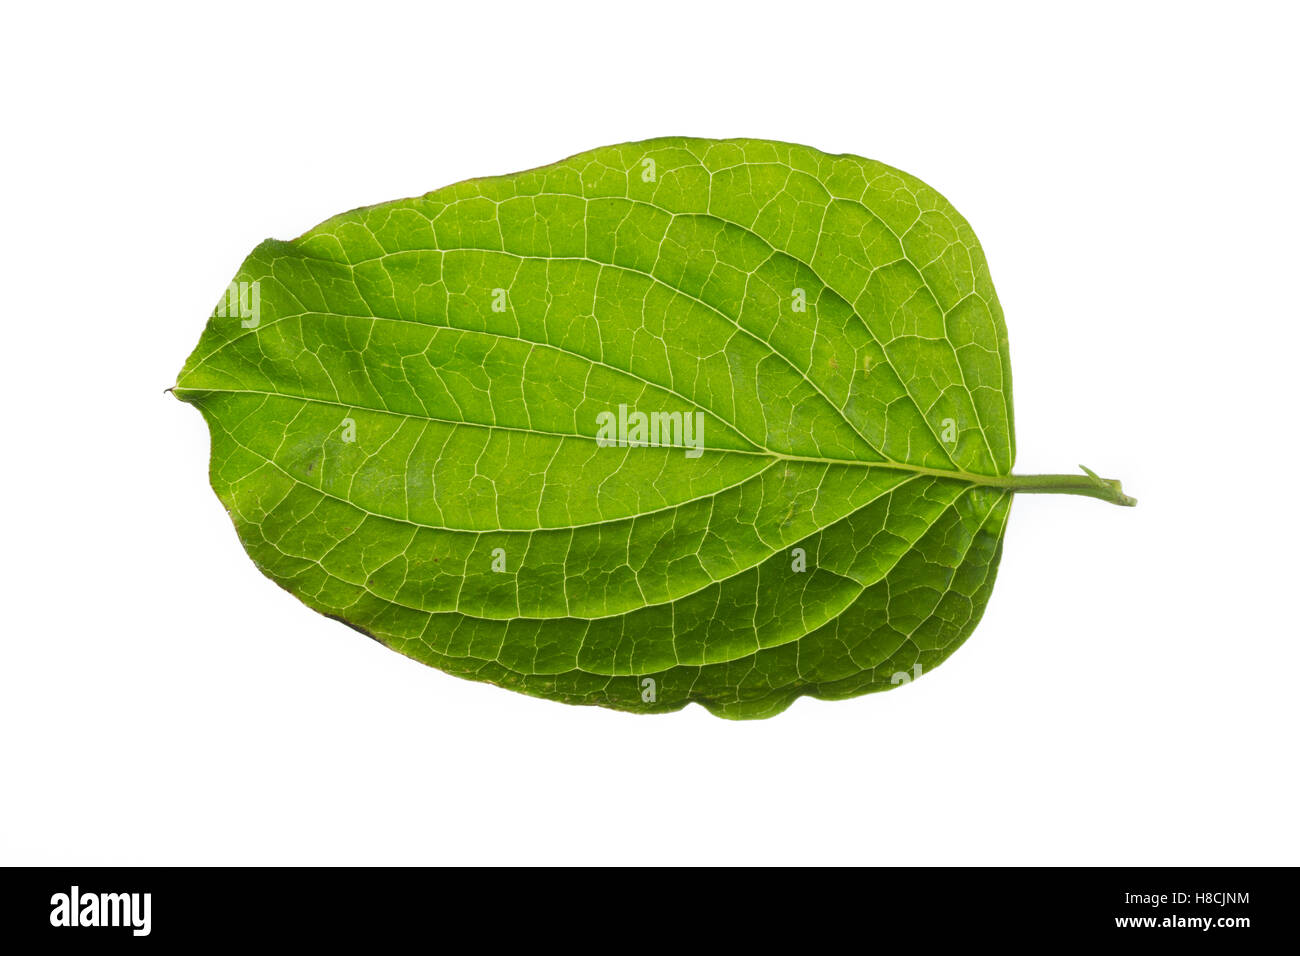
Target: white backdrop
1131,172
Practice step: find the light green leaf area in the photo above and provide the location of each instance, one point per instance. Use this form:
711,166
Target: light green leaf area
406,408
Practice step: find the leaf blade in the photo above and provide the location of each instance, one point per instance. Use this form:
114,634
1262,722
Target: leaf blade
473,435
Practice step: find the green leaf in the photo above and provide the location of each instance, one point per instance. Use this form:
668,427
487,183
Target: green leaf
424,420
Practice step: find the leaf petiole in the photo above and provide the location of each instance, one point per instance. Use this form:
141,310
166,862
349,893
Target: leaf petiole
1089,484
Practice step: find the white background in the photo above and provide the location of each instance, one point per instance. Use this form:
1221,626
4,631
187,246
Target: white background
1130,695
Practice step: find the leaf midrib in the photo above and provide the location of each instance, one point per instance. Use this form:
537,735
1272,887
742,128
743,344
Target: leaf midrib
992,481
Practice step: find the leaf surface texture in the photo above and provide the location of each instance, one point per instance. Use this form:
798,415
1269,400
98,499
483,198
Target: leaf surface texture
416,408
